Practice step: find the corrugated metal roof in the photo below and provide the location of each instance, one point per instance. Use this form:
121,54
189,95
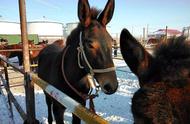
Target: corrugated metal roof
169,31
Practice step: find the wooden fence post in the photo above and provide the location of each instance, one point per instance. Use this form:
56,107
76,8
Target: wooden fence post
29,89
30,102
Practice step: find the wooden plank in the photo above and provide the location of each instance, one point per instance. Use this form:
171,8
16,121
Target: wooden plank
15,50
75,107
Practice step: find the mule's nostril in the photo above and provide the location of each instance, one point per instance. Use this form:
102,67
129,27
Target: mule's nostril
108,88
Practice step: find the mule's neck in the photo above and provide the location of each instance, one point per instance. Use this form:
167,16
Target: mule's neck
71,67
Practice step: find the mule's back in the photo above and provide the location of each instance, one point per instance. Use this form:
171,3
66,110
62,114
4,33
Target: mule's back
151,106
173,59
159,103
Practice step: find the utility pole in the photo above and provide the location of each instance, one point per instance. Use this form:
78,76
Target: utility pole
166,35
147,31
143,35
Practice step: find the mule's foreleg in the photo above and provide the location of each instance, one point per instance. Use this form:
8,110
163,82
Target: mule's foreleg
58,112
49,103
75,119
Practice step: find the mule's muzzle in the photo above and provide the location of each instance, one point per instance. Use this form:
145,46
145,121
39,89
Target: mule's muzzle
109,89
108,82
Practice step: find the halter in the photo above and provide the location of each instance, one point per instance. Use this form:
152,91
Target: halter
93,84
81,54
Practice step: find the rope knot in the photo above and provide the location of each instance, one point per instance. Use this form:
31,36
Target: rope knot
91,103
79,49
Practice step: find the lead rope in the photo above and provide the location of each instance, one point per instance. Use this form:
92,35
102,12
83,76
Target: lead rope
83,96
81,52
94,85
64,76
91,79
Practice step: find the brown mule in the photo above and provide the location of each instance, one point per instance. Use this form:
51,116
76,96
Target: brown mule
164,94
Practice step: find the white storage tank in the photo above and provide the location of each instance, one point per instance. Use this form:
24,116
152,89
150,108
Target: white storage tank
46,30
186,32
70,27
7,27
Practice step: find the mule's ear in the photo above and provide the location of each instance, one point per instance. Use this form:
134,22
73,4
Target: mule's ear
84,14
134,54
107,13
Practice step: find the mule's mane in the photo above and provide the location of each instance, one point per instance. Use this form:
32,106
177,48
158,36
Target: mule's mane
173,58
175,48
94,13
72,36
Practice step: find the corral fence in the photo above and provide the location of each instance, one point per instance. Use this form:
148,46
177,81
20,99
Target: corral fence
116,53
19,50
62,98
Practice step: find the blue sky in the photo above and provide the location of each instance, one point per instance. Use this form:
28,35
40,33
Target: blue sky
131,14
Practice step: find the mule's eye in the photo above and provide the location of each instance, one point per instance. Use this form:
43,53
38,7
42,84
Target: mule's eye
90,44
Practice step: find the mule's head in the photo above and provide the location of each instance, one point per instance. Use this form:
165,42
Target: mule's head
97,43
164,80
169,62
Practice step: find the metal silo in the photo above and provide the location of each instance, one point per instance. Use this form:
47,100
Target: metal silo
7,27
46,30
69,27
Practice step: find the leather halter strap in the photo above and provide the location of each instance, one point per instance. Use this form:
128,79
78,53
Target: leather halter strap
82,95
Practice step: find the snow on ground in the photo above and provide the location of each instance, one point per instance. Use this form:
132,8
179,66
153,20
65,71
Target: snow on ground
4,113
115,108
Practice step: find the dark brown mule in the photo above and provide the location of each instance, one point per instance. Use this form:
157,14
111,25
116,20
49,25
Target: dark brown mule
164,94
88,51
